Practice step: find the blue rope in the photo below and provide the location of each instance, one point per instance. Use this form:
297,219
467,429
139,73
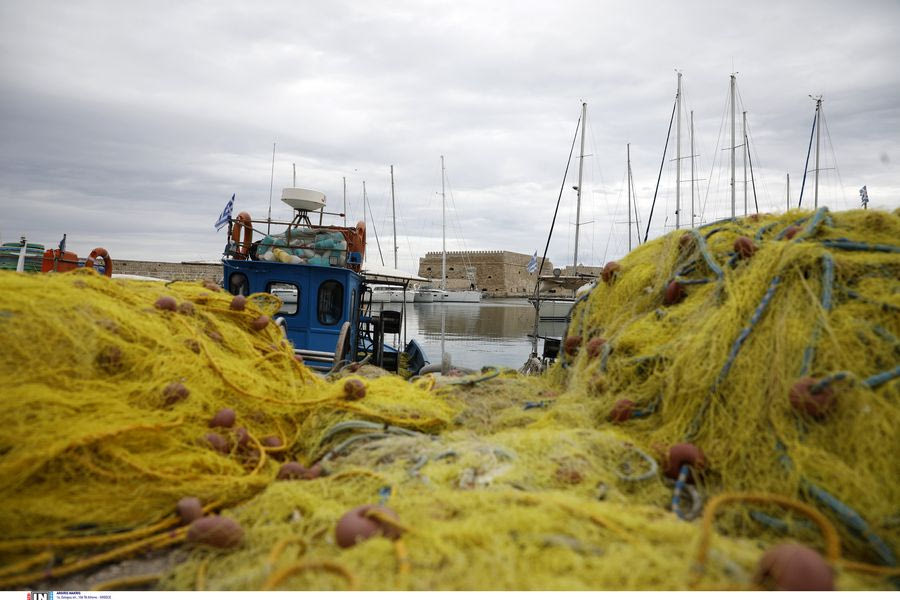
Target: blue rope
530,405
778,524
648,474
604,356
491,372
876,380
857,296
855,522
850,517
851,245
814,223
693,281
732,355
826,300
871,382
763,230
745,333
784,231
826,381
680,484
704,252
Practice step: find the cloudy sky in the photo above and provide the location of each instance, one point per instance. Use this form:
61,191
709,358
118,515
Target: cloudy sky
130,124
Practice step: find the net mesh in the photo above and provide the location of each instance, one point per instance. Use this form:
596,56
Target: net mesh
497,482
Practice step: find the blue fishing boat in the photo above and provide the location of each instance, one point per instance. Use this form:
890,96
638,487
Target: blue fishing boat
317,271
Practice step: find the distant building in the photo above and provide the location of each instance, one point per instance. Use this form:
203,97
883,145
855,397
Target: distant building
497,273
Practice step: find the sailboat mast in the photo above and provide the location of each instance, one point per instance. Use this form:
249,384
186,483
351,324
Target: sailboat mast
443,230
744,156
732,145
678,155
788,198
693,179
580,170
628,155
818,129
394,215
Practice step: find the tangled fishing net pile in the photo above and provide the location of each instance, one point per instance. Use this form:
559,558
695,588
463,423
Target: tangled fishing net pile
722,392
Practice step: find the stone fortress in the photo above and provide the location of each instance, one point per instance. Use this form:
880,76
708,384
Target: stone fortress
496,273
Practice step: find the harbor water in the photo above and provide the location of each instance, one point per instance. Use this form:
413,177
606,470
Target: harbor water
489,333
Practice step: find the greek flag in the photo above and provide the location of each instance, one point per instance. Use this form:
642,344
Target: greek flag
864,195
222,221
532,264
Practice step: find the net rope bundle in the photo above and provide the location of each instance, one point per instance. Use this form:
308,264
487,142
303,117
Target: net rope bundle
504,482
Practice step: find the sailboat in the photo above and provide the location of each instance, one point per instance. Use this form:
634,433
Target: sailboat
553,312
443,294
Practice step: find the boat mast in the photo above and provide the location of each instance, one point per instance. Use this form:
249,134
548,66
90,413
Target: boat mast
580,171
678,155
818,129
732,145
693,179
345,201
628,154
394,215
443,231
744,152
271,184
788,198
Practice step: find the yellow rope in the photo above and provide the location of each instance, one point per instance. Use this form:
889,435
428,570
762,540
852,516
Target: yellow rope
127,583
829,533
325,565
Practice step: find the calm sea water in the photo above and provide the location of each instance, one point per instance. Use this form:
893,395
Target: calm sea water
492,332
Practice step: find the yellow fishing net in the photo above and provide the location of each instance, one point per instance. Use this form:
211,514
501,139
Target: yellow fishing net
495,482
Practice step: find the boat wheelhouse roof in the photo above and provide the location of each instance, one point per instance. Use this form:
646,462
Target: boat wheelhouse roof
381,275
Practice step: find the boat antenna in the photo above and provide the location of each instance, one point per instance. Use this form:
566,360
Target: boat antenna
540,270
661,164
271,183
345,201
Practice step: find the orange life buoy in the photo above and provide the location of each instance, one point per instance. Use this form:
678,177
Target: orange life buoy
358,244
107,261
243,222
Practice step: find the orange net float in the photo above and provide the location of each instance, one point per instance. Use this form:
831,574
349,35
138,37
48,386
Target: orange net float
107,261
682,454
808,396
610,271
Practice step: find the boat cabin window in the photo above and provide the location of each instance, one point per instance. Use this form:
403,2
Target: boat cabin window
238,285
331,302
289,294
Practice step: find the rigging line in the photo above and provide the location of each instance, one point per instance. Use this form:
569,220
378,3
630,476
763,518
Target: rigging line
661,165
808,152
454,216
562,188
752,179
712,166
374,230
615,215
833,155
634,203
759,166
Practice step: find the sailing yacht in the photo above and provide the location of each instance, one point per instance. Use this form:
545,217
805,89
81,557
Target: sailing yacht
553,313
442,294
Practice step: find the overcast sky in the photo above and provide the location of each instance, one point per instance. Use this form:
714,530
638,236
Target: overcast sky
130,124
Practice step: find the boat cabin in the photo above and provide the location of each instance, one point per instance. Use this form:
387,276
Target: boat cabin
317,272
